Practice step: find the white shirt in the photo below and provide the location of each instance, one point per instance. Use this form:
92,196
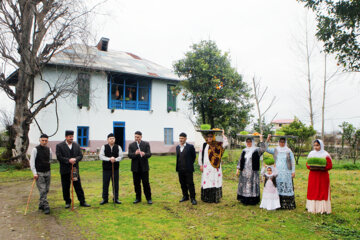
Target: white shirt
32,160
69,145
105,158
182,147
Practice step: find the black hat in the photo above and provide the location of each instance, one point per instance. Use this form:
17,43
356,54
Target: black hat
69,132
138,133
182,134
110,135
44,136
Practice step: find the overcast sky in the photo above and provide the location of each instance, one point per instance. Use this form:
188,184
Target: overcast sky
262,37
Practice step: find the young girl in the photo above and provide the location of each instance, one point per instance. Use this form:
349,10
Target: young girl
270,199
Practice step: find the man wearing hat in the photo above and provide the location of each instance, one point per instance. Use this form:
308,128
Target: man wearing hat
69,154
40,167
185,158
139,152
111,154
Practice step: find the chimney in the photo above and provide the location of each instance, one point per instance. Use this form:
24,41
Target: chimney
103,44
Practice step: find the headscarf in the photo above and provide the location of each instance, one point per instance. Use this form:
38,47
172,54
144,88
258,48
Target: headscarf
283,149
273,171
250,150
319,154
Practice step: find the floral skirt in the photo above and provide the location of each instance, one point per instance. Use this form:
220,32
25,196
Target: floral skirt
248,200
211,195
287,202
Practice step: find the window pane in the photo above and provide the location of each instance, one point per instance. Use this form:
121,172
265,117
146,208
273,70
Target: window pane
131,82
83,89
171,98
130,93
143,94
117,92
79,132
143,83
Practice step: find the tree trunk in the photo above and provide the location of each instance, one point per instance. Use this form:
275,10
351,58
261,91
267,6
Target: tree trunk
308,57
323,103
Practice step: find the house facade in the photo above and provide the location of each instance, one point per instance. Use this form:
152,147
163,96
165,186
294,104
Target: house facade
279,123
117,92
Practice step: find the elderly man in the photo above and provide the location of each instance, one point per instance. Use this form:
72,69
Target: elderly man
40,167
69,155
139,152
111,154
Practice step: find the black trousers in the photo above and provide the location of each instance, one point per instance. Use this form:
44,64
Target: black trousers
107,176
187,184
66,183
144,177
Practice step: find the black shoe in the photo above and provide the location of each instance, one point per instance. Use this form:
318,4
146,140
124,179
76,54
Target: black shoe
136,201
103,202
117,201
47,210
41,207
193,201
84,204
149,201
67,205
184,199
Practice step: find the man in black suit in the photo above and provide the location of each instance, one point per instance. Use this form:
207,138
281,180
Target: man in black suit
185,158
139,152
69,154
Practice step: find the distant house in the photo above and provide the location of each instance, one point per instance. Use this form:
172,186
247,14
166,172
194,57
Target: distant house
118,92
279,123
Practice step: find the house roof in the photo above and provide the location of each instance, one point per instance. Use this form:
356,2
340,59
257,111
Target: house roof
81,56
115,61
282,121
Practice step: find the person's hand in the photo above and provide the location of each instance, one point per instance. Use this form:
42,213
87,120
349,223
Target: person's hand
261,138
237,172
112,159
268,138
201,168
36,176
137,152
293,175
72,160
142,154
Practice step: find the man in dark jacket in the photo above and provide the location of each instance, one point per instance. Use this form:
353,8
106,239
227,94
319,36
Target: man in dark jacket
111,154
185,158
69,154
139,152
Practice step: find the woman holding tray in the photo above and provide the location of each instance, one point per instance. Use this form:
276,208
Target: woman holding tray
285,165
318,194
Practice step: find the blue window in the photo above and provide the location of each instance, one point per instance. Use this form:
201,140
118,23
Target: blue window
83,136
129,92
168,136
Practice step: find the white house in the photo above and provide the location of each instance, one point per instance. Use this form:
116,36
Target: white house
279,123
118,92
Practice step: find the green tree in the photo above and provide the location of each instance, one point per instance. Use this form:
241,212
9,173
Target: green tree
215,90
351,136
267,128
339,29
303,134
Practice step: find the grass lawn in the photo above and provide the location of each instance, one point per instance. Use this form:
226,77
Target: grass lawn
169,219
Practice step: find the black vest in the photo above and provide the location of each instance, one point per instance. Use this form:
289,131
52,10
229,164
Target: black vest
42,160
182,160
114,152
255,161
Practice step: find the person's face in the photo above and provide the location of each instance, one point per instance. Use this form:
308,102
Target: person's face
111,140
269,171
209,138
43,141
182,140
282,143
138,138
69,138
248,143
317,146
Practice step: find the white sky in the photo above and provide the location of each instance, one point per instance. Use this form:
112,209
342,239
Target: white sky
260,35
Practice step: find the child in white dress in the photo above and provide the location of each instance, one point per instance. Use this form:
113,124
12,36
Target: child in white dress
270,199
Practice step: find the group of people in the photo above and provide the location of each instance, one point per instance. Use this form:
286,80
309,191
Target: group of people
278,190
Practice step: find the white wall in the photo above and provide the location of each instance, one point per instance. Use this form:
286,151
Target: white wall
100,119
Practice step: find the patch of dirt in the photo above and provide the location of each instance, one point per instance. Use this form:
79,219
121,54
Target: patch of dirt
35,225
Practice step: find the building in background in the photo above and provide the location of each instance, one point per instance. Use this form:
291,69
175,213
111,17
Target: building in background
279,123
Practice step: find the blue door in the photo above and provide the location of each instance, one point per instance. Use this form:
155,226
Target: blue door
119,132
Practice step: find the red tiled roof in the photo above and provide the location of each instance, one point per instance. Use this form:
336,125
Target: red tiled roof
283,121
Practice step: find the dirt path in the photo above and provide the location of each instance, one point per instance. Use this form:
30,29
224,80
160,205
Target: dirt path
35,225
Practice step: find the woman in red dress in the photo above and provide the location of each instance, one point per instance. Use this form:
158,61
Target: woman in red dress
318,194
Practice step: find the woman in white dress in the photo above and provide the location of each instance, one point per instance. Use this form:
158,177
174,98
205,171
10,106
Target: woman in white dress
210,166
270,199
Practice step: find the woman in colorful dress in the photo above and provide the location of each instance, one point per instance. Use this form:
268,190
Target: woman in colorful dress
285,166
318,194
210,166
248,169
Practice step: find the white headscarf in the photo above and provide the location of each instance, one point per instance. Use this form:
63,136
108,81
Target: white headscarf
283,149
319,154
249,150
273,171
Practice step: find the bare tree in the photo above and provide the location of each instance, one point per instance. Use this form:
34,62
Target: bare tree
259,95
31,32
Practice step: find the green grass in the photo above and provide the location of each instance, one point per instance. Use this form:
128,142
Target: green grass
317,162
169,219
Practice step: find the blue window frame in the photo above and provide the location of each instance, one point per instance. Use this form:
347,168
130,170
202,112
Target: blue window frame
168,136
129,92
83,136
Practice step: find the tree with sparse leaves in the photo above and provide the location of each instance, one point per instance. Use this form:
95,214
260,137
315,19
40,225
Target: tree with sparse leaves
351,136
339,29
215,90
